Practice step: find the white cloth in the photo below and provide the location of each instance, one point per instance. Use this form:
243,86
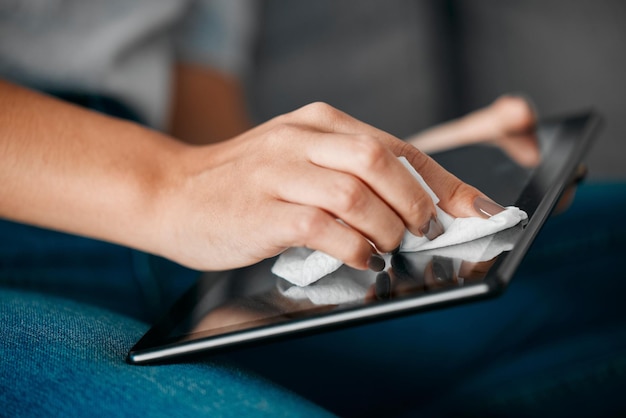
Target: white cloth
347,285
302,266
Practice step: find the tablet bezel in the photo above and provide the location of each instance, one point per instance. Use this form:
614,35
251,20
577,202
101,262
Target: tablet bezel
542,192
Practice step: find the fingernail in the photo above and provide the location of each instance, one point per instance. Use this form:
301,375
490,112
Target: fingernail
399,265
432,229
382,289
443,270
376,263
486,208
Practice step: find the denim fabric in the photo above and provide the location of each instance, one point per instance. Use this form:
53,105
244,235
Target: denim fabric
63,358
110,276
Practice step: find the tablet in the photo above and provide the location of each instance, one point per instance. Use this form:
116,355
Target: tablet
251,305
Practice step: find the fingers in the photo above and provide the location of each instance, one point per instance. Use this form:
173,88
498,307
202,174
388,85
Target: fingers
522,148
508,122
455,197
355,176
347,198
368,159
325,118
373,159
310,227
515,128
513,113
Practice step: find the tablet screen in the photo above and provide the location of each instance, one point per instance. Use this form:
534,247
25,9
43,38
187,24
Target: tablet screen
252,304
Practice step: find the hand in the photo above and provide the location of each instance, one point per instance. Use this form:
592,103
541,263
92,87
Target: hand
282,184
508,123
285,184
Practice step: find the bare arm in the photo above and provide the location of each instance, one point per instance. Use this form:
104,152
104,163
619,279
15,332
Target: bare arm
281,184
74,170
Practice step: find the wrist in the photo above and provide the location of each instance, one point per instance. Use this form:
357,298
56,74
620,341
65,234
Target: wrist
156,180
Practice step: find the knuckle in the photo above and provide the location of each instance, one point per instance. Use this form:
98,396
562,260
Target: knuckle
349,195
419,207
356,251
417,158
456,190
320,111
304,226
392,237
356,256
370,152
396,237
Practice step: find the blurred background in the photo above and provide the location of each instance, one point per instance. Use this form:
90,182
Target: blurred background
404,65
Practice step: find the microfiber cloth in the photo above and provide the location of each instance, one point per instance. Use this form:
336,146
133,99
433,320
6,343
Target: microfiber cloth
302,266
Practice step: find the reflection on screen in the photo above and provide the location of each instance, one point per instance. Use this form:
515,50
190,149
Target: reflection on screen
256,297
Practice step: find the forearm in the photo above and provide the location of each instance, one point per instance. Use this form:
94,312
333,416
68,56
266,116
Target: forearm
66,168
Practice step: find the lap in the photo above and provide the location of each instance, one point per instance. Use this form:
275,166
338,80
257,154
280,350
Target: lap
64,358
560,322
95,272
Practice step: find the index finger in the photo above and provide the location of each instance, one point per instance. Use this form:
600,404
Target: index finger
455,196
370,161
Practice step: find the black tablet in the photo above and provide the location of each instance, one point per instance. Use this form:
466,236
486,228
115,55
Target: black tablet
252,305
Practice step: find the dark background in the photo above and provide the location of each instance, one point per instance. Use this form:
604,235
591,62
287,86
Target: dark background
404,65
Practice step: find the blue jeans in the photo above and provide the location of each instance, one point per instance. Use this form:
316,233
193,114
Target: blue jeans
553,344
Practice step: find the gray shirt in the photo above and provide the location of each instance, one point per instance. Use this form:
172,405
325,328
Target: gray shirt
121,48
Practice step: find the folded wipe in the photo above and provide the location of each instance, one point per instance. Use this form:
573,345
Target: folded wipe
347,285
302,266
